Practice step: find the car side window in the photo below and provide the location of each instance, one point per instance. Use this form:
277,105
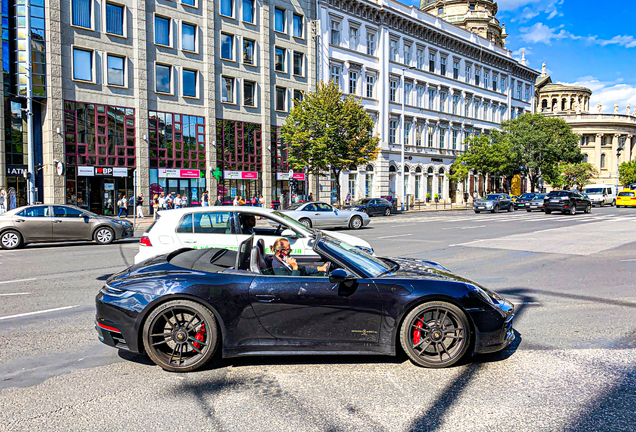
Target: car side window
310,207
185,225
373,202
67,212
322,207
212,223
41,211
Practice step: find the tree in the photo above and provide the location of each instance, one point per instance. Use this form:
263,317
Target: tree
485,154
569,174
627,173
329,131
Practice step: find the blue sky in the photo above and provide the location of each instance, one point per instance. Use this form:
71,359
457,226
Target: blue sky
583,42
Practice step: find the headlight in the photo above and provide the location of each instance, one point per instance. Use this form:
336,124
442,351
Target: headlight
116,292
124,223
481,294
366,249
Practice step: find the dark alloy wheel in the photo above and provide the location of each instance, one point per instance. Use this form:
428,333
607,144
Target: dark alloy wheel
573,209
305,222
588,209
11,239
180,335
355,222
548,211
435,334
104,235
511,208
387,211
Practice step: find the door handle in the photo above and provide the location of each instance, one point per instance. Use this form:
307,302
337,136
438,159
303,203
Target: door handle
265,297
19,220
317,214
57,221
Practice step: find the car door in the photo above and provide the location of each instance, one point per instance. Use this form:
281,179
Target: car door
203,230
314,310
70,224
373,207
330,216
35,223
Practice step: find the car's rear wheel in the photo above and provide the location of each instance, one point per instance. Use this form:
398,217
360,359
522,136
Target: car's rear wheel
435,334
511,208
11,239
476,211
180,335
548,211
613,203
573,209
355,222
305,222
387,211
528,210
104,235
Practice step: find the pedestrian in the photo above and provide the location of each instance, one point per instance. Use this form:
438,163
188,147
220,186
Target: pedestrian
3,201
466,197
255,201
241,201
219,200
348,199
162,201
177,201
184,201
205,199
235,203
261,200
169,201
475,196
283,200
140,206
155,206
311,197
123,206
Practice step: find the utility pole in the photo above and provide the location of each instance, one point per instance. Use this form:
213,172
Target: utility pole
619,149
29,111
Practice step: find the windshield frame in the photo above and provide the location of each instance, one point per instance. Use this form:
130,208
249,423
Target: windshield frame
294,224
360,203
495,197
347,257
597,190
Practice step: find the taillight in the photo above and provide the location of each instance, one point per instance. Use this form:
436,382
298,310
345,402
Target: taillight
145,241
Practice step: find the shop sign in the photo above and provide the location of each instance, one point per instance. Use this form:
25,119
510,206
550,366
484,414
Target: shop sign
85,171
178,173
189,173
16,170
109,186
240,175
285,176
120,172
104,171
437,160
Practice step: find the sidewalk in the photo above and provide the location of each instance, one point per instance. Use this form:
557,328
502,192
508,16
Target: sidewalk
433,208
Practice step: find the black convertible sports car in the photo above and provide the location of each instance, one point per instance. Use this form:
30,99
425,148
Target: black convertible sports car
181,307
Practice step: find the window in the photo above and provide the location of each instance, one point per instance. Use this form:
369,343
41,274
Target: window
407,93
455,70
407,133
114,19
503,84
431,136
420,59
431,98
188,37
440,10
585,161
407,54
518,90
248,51
298,26
467,107
477,76
281,95
162,31
442,136
208,223
418,135
370,85
82,13
248,11
115,66
66,212
420,96
189,2
227,46
527,98
455,104
486,78
298,96
82,64
42,211
279,59
353,82
393,85
442,101
455,135
189,83
431,62
370,43
335,74
227,8
392,129
471,7
298,63
603,157
248,93
468,74
227,90
494,82
335,32
443,66
279,20
393,50
163,78
354,38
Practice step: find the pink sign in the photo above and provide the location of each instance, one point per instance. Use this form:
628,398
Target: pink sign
189,173
299,176
249,175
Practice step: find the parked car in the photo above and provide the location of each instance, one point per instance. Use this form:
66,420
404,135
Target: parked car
181,308
626,198
55,223
372,206
536,203
523,200
567,202
601,194
494,203
319,214
225,228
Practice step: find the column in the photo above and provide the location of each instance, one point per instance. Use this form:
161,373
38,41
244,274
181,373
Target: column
613,159
597,151
266,101
3,169
140,83
209,90
628,148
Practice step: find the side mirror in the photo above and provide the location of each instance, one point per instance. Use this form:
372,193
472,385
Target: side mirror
288,233
341,275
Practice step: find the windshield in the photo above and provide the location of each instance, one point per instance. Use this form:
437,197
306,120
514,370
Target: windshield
539,196
559,194
295,206
293,223
368,264
492,198
527,196
594,191
363,201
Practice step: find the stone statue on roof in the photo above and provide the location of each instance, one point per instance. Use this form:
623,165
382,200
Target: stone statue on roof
543,70
615,108
599,107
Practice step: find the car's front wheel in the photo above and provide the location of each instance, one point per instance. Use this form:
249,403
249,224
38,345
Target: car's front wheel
588,209
10,239
435,334
477,211
180,335
104,235
613,203
573,209
495,210
511,208
355,222
548,211
305,222
387,211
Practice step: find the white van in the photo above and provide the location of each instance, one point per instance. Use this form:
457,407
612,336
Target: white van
601,194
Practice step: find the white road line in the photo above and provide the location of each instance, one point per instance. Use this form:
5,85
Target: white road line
37,312
464,228
14,294
629,260
17,280
399,235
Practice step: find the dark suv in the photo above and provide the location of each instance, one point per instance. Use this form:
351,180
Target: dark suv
567,202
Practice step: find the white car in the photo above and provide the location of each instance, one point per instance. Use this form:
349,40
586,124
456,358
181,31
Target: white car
319,214
226,227
601,194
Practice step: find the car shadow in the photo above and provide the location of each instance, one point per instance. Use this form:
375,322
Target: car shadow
77,243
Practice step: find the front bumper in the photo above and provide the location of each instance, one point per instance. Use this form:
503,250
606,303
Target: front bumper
493,328
482,208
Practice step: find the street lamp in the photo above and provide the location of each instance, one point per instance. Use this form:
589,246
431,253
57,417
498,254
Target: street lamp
401,173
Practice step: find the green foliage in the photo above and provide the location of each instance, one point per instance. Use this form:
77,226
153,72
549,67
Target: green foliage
627,173
568,175
485,154
329,131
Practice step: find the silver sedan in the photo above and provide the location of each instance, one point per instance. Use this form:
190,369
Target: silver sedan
323,215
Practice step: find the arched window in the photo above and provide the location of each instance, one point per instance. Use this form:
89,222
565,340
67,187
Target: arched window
603,160
392,169
369,167
563,104
430,171
544,105
407,169
441,171
418,170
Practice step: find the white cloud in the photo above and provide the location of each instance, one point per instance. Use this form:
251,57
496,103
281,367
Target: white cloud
624,41
541,33
531,8
608,93
518,54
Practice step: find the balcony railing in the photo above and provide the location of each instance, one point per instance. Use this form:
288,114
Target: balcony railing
590,116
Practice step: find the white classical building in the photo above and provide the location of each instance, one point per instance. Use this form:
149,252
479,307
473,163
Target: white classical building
428,84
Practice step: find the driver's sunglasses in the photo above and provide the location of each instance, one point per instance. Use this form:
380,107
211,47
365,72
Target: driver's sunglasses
286,249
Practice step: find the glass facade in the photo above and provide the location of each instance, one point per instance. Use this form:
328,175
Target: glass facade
176,141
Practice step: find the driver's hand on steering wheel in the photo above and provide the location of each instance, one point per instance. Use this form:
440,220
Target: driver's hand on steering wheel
324,267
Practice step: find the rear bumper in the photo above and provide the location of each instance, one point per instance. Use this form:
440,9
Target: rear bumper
556,207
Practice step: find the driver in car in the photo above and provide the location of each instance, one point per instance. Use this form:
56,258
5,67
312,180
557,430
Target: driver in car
284,265
249,222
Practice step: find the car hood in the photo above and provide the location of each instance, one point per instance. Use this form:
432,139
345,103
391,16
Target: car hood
347,238
411,268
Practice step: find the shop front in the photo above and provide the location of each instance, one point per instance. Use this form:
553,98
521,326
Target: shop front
246,184
16,186
98,189
297,187
189,183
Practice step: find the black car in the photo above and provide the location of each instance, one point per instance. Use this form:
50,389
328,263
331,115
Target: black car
523,201
372,206
567,202
181,307
494,203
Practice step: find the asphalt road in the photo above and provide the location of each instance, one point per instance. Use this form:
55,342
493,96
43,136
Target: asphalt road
572,367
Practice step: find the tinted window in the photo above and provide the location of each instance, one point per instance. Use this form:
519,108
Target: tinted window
294,206
492,197
212,223
186,225
323,207
310,207
608,190
363,201
42,211
626,194
68,212
594,190
527,196
558,194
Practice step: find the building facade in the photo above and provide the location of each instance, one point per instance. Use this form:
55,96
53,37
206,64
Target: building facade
601,134
428,84
184,95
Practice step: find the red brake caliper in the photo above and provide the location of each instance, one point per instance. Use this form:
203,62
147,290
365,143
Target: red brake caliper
200,336
417,334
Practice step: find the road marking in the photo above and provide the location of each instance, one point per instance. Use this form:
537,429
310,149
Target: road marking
14,294
18,280
629,260
37,312
464,228
399,235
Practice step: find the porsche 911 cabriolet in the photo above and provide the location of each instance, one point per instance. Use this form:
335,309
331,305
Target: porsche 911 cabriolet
182,307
